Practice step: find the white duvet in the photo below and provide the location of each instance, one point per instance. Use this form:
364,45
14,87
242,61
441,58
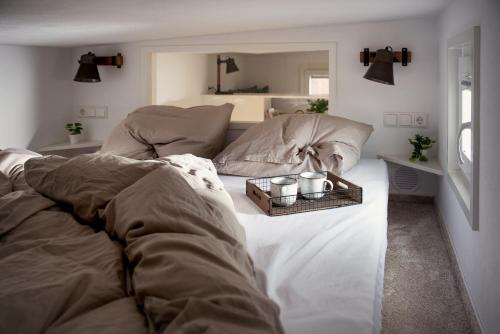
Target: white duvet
326,268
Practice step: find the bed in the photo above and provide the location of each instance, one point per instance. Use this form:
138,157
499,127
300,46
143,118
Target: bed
325,269
145,237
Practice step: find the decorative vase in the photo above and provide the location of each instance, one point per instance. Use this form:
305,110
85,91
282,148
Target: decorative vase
75,139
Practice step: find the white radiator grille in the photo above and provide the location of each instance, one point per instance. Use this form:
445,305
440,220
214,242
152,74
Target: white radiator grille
405,179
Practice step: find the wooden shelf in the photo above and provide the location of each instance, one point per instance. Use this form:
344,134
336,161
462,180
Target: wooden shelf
432,166
68,146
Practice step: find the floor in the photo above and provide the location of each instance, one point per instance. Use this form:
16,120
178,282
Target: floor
420,290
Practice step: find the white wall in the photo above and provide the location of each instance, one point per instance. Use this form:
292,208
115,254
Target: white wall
35,97
478,253
179,78
356,98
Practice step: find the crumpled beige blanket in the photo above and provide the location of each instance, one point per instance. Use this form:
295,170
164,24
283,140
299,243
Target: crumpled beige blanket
169,255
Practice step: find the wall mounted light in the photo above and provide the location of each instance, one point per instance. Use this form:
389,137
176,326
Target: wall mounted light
230,68
87,71
381,70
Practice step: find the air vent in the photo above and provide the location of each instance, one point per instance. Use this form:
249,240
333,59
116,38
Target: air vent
405,179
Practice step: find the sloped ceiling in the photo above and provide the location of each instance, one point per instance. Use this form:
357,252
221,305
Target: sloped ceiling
84,22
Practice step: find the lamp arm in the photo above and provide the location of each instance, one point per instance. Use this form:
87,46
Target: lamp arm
112,60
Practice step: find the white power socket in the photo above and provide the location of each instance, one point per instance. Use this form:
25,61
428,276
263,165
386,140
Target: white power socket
86,112
93,112
420,120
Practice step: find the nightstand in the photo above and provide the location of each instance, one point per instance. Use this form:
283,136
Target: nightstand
432,166
70,150
412,181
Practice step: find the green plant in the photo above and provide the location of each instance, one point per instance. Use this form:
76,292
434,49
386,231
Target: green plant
318,106
74,128
420,143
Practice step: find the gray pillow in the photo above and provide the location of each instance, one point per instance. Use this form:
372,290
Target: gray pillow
157,131
290,144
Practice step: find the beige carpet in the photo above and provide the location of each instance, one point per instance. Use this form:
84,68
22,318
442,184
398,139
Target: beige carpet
420,291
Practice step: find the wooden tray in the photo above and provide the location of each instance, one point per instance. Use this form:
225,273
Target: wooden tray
259,192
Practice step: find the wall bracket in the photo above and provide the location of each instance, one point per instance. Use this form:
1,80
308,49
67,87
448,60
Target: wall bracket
404,57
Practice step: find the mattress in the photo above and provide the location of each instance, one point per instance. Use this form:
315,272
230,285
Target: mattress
325,269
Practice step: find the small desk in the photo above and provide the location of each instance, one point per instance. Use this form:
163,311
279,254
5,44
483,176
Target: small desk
432,166
71,150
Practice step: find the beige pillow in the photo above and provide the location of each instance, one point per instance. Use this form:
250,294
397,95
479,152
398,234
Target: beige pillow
290,144
156,131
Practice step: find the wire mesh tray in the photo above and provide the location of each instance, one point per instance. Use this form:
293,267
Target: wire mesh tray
259,191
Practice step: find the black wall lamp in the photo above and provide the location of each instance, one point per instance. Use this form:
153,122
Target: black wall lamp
87,71
230,68
381,70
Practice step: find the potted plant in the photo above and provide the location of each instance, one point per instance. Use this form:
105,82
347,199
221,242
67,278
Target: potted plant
318,106
75,132
420,146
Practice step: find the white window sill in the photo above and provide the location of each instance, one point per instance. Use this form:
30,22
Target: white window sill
462,189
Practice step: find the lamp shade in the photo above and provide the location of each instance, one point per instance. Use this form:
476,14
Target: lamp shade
381,70
87,71
231,66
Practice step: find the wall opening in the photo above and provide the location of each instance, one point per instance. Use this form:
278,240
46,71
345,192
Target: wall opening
267,83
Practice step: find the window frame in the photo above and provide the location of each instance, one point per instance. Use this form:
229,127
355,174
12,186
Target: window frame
308,73
463,174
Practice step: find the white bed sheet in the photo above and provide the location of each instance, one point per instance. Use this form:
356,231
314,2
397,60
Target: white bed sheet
326,268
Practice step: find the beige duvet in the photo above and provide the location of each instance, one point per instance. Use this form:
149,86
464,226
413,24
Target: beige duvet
103,244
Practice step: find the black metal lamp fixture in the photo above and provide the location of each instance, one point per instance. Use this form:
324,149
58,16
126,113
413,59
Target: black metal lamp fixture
230,68
381,70
87,71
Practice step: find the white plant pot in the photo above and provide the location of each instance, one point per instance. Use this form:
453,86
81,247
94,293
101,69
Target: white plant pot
75,139
423,156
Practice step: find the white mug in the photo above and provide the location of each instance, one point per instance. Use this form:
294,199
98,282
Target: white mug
314,184
284,189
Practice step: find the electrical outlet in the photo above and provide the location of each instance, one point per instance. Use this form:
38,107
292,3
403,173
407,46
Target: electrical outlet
93,112
420,120
86,112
